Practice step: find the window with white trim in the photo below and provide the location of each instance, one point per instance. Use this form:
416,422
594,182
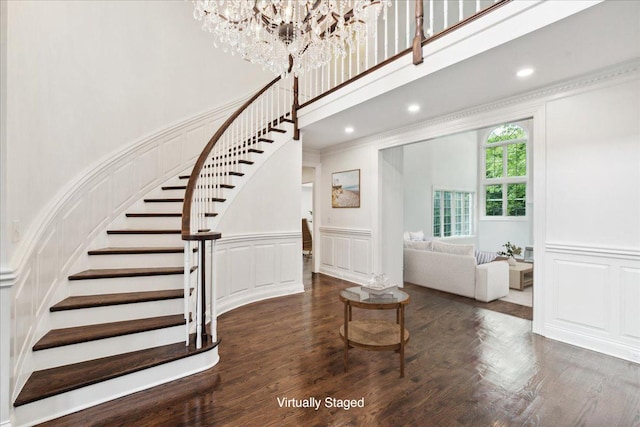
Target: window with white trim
452,213
505,179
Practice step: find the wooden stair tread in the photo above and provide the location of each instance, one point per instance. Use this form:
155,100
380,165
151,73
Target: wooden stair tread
277,130
137,250
143,231
154,214
165,200
109,273
88,301
54,381
80,334
174,187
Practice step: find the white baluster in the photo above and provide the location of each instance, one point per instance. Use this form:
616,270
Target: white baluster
408,24
386,35
187,270
446,15
432,28
477,6
214,294
199,301
460,10
395,15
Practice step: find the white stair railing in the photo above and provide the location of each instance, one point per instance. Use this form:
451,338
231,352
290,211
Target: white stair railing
241,137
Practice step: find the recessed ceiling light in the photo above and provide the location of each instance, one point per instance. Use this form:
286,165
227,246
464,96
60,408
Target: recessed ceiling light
525,72
348,129
413,108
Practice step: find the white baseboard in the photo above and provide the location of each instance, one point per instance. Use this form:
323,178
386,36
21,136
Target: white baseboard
611,348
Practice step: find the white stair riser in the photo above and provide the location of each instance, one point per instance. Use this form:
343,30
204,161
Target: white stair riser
135,240
141,223
72,401
166,194
136,260
160,207
74,353
116,313
127,284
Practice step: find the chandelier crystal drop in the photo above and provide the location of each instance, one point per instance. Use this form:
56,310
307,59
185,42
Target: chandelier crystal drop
289,35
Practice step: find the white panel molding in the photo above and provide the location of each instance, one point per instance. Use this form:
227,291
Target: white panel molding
73,214
597,251
630,302
347,253
259,280
592,297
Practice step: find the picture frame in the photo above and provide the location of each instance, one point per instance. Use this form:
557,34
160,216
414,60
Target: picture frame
345,189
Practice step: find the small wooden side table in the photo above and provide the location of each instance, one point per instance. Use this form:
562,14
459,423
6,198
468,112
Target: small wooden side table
520,275
373,334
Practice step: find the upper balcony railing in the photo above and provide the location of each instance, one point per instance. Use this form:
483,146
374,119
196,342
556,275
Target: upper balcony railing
404,28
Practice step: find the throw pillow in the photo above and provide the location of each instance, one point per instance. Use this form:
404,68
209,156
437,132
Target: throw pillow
419,245
416,235
483,257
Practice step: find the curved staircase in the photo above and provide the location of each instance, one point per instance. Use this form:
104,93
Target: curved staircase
122,327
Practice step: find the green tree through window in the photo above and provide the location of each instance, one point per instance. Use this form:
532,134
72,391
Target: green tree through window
505,177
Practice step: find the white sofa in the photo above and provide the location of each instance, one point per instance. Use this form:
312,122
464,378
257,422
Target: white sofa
453,268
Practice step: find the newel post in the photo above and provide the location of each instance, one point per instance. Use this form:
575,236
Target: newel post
294,110
419,37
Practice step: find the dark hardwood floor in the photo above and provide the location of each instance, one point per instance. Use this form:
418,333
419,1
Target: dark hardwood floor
466,365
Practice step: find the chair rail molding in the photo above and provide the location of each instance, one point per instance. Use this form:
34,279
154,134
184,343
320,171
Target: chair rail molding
593,250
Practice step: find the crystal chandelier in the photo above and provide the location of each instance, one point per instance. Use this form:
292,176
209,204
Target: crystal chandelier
289,35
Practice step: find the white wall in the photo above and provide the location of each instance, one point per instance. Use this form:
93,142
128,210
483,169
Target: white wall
88,78
259,255
345,244
585,201
592,245
449,163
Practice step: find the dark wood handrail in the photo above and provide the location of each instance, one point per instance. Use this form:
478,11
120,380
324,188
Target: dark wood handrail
204,155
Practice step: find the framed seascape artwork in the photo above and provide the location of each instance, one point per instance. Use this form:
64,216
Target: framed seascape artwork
345,189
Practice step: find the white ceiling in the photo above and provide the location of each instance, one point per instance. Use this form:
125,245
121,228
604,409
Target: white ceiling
599,37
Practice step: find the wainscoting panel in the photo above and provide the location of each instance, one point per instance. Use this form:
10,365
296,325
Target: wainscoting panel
251,268
147,168
123,184
581,293
592,298
346,253
56,245
288,269
170,154
265,264
360,254
73,226
327,251
343,252
193,145
240,258
630,302
100,198
47,268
